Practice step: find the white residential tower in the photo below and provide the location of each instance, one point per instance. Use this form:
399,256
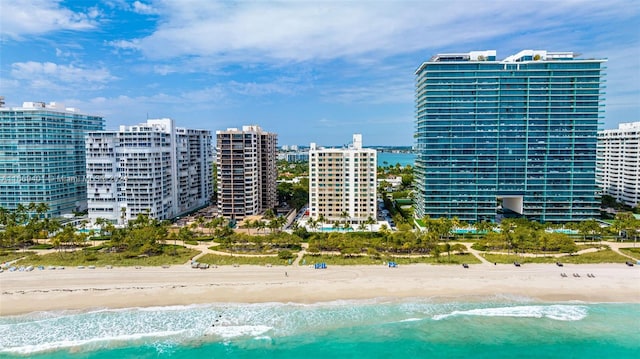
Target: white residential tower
618,163
342,183
152,168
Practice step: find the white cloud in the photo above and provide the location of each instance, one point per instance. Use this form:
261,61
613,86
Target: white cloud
142,8
124,44
54,76
259,32
396,90
32,17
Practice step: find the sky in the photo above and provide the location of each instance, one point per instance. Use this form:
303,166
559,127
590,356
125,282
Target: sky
310,71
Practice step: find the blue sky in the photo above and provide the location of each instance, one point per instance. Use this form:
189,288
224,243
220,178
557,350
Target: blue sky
311,71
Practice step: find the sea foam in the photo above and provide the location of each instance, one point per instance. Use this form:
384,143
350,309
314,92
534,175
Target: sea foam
555,312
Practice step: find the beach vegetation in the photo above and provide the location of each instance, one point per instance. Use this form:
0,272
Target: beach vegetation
259,244
285,254
167,256
633,252
12,255
26,225
367,259
601,256
521,236
217,259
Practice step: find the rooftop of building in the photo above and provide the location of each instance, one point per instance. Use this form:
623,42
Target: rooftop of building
245,129
622,127
356,144
38,106
491,56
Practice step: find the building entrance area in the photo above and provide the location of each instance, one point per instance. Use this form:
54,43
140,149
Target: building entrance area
509,207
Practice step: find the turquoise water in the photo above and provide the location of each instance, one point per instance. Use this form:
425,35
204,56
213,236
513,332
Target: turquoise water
498,327
392,158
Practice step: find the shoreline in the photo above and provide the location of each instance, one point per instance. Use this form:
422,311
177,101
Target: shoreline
126,287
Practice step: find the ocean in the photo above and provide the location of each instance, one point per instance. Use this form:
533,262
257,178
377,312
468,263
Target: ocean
499,327
392,158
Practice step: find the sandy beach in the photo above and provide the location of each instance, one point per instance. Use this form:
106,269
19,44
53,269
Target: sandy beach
73,288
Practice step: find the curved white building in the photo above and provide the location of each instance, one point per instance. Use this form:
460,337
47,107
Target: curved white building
618,170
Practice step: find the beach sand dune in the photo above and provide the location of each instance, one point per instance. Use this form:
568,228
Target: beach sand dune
23,292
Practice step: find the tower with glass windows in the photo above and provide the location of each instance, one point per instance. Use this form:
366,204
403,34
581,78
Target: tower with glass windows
512,137
42,156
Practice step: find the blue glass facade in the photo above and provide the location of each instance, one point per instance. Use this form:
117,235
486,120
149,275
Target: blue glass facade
42,156
523,129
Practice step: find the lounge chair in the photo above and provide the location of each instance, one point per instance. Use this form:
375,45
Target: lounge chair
465,265
630,264
517,264
559,264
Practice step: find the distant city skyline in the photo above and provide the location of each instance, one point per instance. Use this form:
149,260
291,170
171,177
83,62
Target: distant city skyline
308,71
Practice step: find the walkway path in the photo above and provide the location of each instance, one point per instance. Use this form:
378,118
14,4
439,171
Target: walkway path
615,246
475,253
301,253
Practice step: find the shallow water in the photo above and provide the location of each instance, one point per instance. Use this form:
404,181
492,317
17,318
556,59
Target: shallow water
471,328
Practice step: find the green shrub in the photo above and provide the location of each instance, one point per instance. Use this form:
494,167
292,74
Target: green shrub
285,254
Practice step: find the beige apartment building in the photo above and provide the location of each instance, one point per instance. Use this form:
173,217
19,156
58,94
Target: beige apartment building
342,183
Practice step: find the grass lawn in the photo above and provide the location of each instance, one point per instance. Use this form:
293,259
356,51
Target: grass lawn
633,251
223,260
265,251
7,256
98,259
603,256
367,260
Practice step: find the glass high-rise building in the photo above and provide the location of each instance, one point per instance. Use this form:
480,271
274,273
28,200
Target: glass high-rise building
42,156
507,137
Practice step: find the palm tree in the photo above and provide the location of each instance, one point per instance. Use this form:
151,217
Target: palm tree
269,214
123,215
261,225
483,226
20,214
370,221
321,220
42,208
281,221
200,221
312,223
345,217
273,225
